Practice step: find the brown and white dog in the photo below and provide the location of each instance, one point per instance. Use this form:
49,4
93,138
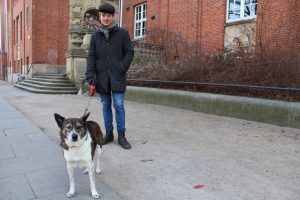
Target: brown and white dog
81,141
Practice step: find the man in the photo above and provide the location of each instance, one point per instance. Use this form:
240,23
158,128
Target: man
110,55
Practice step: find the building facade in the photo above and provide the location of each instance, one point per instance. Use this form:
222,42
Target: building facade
217,26
47,36
3,40
37,35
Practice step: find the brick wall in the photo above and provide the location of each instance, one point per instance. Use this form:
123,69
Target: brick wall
198,22
44,36
278,27
50,31
201,22
3,46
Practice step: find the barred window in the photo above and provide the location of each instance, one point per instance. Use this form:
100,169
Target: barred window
238,10
140,20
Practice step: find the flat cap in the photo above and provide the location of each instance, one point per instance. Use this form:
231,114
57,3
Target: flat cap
107,8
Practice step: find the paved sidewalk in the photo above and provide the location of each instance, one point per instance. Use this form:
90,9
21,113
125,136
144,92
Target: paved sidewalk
32,165
173,150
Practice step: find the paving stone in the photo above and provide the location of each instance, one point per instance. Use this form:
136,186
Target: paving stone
10,115
30,128
81,181
6,152
18,136
15,123
15,188
31,157
2,137
49,181
16,139
5,106
37,137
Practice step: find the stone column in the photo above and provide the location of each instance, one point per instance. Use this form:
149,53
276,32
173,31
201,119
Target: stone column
81,16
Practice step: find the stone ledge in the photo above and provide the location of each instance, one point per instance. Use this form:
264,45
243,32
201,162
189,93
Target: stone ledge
254,109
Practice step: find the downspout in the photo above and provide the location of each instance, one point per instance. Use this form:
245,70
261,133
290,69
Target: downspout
197,36
120,12
24,41
13,41
168,15
200,25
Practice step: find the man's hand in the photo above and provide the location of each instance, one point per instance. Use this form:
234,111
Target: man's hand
91,81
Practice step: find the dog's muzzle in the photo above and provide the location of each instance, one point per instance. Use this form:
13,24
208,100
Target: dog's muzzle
74,137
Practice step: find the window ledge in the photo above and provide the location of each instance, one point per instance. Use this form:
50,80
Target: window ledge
139,38
240,22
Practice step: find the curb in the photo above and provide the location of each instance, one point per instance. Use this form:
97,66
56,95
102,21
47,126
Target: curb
260,110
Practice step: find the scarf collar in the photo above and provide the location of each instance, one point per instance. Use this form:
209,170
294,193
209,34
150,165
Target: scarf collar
107,29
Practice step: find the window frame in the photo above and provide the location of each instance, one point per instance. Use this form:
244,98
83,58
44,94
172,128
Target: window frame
143,19
242,13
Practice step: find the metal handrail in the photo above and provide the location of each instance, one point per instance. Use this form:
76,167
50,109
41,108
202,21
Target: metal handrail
286,89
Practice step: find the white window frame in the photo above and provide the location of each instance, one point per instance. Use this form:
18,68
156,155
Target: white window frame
242,13
140,20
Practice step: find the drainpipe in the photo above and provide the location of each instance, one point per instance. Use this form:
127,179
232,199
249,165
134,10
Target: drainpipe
199,25
120,12
12,41
24,38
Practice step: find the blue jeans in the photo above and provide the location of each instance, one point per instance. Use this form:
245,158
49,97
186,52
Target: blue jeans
118,102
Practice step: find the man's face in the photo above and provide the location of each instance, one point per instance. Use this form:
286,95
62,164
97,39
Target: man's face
106,18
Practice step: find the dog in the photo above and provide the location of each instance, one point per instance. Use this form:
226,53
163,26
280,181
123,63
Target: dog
81,141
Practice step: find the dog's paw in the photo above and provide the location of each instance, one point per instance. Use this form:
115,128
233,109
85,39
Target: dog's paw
71,194
86,171
95,195
98,171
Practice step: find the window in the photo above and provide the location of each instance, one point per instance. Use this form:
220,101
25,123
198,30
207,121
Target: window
21,26
27,16
17,30
14,33
21,66
238,10
140,21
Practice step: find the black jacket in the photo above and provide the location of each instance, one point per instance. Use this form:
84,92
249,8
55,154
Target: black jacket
109,60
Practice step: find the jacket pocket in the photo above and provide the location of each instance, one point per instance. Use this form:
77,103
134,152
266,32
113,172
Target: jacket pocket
122,67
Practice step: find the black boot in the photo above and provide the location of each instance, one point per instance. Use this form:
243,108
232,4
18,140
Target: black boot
109,137
122,141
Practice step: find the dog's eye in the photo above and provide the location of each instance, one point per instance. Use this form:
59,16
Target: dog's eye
68,127
79,127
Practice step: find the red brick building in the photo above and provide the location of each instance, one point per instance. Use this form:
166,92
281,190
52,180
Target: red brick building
37,35
218,26
3,46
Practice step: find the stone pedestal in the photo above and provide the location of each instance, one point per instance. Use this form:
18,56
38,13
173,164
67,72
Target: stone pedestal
76,67
82,18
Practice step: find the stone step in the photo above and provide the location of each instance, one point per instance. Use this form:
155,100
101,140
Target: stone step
51,84
51,77
45,91
43,87
51,80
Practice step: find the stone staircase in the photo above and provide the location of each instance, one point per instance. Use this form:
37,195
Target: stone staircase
48,84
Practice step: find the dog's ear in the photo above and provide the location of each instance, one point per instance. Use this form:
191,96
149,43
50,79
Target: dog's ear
84,117
59,119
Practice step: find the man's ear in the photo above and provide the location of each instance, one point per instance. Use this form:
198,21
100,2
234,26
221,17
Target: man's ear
59,120
84,117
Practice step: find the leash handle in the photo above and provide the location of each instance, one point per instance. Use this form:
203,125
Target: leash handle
92,88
